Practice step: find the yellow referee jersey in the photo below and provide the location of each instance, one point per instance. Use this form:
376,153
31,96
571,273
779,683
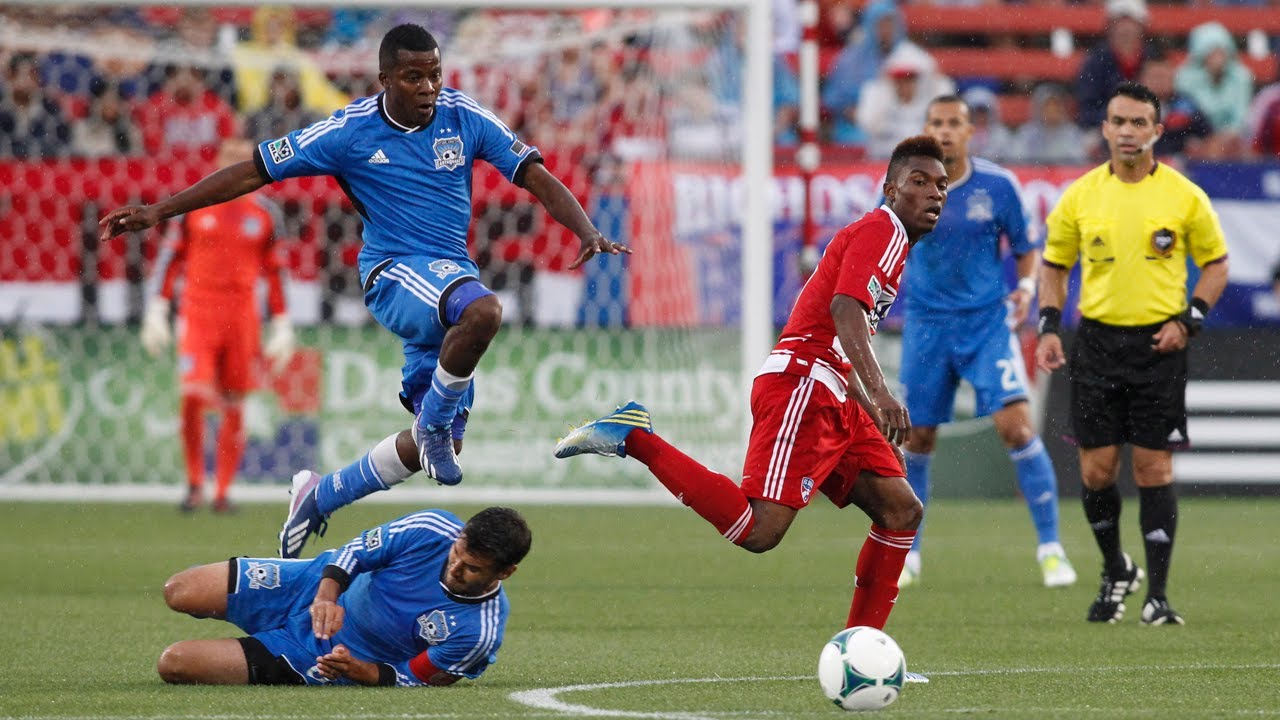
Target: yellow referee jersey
1132,240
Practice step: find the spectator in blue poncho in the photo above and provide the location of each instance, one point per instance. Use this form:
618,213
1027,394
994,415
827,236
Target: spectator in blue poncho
1215,79
881,29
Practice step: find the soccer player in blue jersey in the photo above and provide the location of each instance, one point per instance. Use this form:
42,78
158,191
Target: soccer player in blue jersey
404,157
957,326
416,601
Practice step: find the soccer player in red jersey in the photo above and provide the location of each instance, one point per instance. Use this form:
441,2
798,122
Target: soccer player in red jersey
814,426
224,249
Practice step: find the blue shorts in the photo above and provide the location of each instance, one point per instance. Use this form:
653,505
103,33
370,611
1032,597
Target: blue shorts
938,350
270,598
419,298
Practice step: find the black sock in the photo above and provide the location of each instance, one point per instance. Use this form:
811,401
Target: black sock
1158,516
1102,510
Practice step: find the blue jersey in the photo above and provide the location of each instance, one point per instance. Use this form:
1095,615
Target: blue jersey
411,185
958,266
398,606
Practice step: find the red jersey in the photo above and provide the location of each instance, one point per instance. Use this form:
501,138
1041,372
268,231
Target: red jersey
224,248
863,261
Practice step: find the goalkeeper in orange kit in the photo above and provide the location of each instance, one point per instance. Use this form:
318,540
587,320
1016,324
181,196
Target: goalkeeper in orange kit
220,252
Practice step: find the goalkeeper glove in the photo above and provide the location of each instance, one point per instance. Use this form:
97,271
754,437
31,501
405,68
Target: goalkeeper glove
280,343
156,335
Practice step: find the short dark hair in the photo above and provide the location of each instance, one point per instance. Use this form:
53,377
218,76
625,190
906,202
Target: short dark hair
498,533
947,100
1139,92
916,146
408,36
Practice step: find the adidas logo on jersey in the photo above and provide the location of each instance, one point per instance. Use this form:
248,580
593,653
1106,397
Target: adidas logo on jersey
379,158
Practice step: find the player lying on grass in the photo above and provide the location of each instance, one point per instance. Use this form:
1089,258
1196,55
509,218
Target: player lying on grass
814,426
416,601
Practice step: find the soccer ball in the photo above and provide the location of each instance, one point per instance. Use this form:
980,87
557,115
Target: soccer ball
861,668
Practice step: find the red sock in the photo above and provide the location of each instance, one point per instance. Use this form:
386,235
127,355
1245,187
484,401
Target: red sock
712,495
230,448
876,584
191,410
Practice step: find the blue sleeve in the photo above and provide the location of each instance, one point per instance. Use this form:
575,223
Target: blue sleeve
474,647
380,546
314,150
496,144
1015,220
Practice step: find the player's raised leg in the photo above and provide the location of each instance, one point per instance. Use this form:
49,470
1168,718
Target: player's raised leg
315,497
1039,486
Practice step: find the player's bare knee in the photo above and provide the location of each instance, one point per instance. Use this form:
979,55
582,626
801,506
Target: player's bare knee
172,665
1015,435
760,542
482,318
922,440
178,593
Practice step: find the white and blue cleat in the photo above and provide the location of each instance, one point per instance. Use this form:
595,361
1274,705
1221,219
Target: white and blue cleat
606,436
304,518
435,452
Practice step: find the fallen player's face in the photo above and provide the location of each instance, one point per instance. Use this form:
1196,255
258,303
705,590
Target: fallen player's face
468,574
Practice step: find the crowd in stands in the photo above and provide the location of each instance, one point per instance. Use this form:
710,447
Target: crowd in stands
95,81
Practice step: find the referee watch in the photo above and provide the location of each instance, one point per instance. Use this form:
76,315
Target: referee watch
1050,320
1193,317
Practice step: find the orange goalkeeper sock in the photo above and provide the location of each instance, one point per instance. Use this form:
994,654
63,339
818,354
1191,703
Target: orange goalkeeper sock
230,448
191,410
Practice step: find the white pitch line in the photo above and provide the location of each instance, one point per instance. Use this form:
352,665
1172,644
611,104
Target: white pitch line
547,699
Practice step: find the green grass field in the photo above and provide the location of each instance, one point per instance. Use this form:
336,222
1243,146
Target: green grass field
673,622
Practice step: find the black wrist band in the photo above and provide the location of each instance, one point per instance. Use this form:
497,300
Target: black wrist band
1050,320
337,574
1193,317
386,675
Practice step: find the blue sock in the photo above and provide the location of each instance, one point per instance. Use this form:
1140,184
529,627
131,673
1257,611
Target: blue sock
1039,487
440,403
918,478
379,469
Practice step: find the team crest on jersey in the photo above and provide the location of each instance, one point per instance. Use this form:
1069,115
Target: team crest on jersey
433,627
373,539
448,152
263,576
806,487
1163,241
444,268
280,150
874,289
980,207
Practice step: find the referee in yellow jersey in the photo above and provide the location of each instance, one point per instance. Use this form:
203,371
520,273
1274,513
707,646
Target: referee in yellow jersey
1131,224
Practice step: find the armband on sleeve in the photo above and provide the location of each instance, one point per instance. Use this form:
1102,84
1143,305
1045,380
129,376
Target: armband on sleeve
338,575
1050,320
1193,317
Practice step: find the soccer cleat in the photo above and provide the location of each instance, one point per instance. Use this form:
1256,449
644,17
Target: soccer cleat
304,518
908,577
606,436
435,452
1156,611
193,500
1056,569
911,677
1108,607
223,506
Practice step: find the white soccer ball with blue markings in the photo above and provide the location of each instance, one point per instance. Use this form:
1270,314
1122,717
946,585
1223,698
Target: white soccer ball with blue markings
862,668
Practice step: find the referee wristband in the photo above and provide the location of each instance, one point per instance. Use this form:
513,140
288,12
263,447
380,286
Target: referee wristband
1193,317
1050,320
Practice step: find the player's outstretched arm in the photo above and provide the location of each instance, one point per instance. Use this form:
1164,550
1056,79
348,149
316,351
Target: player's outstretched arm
228,183
565,209
854,331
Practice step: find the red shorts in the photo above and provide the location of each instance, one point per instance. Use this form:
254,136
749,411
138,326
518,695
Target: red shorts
803,437
218,352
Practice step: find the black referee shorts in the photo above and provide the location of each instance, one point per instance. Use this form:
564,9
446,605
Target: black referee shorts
1123,391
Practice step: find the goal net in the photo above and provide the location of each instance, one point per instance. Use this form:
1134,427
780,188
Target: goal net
643,112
